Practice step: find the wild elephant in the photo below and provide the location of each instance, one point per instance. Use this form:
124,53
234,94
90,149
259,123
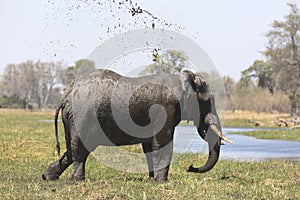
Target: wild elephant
125,111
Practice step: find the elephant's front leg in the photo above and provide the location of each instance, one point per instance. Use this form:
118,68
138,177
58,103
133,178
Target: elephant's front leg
162,155
147,148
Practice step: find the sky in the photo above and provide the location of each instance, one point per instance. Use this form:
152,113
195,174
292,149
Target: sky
231,32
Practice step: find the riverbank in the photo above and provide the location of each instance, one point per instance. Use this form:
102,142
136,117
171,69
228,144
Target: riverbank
279,130
246,119
272,124
280,134
268,122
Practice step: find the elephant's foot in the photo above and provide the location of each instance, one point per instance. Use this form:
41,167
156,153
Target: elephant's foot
53,172
161,175
49,176
151,174
57,168
78,173
160,179
78,178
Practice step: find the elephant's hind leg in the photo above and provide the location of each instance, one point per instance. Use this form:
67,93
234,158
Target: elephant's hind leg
58,167
80,154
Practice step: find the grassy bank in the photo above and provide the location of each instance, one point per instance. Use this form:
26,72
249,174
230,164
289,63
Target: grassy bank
290,135
27,147
240,118
265,120
248,119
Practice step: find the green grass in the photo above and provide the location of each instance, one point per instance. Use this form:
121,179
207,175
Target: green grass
280,134
27,147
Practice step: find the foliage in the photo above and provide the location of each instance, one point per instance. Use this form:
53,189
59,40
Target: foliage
12,102
27,147
284,55
260,71
33,81
257,99
82,66
229,85
171,61
281,70
38,83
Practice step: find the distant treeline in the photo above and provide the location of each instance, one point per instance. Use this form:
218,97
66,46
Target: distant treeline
38,84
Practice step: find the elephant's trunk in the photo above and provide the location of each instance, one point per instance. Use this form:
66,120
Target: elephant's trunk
211,161
213,137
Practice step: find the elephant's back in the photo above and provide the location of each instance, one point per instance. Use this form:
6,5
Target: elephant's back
113,100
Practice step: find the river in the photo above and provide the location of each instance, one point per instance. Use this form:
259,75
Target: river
187,140
245,148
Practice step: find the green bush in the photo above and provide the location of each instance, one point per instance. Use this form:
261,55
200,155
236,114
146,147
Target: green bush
12,102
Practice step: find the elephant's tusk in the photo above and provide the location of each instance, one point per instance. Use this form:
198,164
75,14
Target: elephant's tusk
220,134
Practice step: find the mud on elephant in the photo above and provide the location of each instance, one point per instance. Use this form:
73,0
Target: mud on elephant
105,108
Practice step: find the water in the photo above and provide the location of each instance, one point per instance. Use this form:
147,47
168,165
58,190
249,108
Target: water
245,148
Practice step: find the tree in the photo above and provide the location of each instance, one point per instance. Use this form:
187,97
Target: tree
260,72
33,81
12,102
282,52
281,69
10,86
171,61
229,86
48,77
81,66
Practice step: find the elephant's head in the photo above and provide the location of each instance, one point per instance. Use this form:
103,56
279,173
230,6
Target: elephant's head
198,105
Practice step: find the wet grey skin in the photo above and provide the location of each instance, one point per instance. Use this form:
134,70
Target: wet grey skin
183,97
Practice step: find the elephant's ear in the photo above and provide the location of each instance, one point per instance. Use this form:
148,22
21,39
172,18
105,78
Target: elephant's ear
195,81
189,100
201,84
187,79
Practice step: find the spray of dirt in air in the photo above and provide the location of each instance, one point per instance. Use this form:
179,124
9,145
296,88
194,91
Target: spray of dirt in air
92,21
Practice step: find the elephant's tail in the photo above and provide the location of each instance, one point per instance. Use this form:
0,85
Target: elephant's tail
56,127
59,107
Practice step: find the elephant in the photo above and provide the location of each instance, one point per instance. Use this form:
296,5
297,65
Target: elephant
104,108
